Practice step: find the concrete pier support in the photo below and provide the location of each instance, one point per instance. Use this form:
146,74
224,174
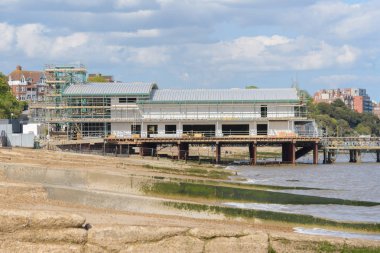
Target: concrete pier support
289,153
217,152
315,153
183,151
330,156
358,156
352,156
252,153
355,156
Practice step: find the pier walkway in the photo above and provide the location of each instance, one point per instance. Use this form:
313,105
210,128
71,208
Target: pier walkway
354,146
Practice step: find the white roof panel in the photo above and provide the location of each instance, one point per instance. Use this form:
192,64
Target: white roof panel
135,88
216,95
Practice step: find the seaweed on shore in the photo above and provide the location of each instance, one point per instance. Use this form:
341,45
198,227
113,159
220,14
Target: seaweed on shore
241,194
274,216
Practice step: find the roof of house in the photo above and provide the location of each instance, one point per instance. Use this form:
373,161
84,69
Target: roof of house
32,76
222,95
110,89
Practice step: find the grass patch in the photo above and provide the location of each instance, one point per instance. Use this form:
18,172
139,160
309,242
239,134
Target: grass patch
193,171
271,250
274,216
272,187
240,194
361,250
325,247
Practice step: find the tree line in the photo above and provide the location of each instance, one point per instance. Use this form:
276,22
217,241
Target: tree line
336,119
9,106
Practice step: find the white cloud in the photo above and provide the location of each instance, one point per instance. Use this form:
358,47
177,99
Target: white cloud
7,35
334,81
144,33
30,39
63,44
126,3
149,56
265,53
34,40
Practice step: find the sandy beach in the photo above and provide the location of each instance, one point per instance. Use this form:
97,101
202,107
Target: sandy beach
119,216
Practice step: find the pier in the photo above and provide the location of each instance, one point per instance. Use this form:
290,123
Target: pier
353,146
292,148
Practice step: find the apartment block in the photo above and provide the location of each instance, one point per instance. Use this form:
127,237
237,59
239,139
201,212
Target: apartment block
355,98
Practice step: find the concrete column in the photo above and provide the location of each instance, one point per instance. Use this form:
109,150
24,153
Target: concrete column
183,151
293,153
352,157
217,152
329,156
252,153
315,153
358,156
325,156
289,152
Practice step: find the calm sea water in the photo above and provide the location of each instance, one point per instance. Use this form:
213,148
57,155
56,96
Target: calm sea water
340,180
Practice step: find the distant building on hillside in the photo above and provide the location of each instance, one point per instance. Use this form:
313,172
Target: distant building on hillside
27,85
355,98
376,109
107,79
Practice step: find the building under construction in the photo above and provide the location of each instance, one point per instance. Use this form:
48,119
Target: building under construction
57,79
142,109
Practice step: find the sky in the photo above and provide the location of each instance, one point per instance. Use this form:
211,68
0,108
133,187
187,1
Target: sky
200,43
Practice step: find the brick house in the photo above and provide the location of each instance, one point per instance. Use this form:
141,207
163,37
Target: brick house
27,85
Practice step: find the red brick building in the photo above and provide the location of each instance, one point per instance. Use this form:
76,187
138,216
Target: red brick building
27,85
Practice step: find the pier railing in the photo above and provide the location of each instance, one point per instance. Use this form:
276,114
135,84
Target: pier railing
350,143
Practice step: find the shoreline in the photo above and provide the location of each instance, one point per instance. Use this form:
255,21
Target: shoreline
123,183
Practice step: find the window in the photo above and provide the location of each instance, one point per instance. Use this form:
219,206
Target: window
136,129
131,100
170,129
264,111
122,100
297,111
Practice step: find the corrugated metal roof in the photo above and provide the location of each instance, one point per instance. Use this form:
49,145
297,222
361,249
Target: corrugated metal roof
135,88
223,95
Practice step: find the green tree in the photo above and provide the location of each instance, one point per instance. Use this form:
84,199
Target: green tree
8,103
251,87
96,79
363,129
339,120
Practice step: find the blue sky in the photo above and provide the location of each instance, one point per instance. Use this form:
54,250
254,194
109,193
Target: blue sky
200,43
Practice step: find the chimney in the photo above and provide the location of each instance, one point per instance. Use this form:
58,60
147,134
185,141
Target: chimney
18,67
